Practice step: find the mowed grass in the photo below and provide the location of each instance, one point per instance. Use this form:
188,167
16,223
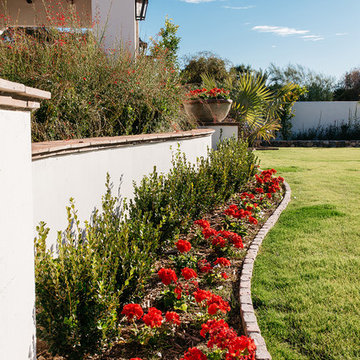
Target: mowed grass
306,284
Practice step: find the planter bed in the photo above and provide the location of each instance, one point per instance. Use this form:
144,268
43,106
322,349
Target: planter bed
180,338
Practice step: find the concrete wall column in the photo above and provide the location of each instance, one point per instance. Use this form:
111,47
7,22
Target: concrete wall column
17,285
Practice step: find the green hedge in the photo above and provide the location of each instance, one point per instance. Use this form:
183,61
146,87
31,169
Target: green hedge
99,268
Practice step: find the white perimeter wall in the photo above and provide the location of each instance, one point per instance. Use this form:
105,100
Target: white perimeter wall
82,176
117,17
17,291
222,132
310,114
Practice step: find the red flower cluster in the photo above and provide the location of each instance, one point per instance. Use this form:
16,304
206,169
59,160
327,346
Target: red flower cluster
188,273
194,354
205,266
268,183
216,303
234,211
222,261
214,93
220,238
153,318
167,276
172,317
201,295
183,246
132,311
252,220
202,223
245,195
234,238
225,338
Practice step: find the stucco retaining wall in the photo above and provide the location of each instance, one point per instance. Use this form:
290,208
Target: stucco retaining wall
78,168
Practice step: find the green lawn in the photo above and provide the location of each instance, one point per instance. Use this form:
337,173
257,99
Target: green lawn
306,285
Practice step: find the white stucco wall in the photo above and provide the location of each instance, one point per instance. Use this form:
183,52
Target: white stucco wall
114,19
82,176
17,292
222,132
117,17
310,114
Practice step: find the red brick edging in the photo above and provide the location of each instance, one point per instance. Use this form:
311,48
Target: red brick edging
248,316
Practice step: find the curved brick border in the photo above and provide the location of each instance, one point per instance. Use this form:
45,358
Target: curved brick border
248,317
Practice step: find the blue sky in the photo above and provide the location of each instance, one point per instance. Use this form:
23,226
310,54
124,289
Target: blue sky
323,35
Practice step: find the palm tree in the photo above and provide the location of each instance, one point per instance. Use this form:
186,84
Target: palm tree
257,108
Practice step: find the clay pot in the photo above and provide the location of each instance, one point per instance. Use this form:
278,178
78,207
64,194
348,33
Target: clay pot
209,110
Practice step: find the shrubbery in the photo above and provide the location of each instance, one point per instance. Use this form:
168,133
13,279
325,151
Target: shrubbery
94,93
173,200
97,269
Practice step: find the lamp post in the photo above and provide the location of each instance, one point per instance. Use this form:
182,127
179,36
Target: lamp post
140,9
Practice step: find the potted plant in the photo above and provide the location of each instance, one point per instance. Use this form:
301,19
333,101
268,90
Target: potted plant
208,105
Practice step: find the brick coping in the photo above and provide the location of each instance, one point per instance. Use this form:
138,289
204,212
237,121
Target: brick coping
15,96
46,149
247,311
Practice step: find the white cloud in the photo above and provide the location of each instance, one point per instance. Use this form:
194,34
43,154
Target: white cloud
312,38
341,34
279,30
239,7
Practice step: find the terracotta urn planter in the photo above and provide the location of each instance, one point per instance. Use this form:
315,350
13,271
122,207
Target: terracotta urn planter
208,110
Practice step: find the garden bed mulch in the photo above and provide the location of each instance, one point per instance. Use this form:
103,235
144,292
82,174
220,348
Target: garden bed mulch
187,335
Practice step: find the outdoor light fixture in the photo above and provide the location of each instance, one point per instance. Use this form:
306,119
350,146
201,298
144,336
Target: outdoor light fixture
140,9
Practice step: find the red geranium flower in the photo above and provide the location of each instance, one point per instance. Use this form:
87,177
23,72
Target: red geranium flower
208,232
153,318
203,223
204,266
178,292
167,276
222,261
183,246
188,273
219,241
132,311
253,220
172,317
194,354
224,275
217,303
201,295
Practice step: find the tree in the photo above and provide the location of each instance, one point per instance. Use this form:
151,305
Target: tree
349,87
319,86
204,63
168,43
258,108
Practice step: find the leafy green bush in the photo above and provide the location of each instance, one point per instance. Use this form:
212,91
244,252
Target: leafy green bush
173,200
97,269
94,93
79,292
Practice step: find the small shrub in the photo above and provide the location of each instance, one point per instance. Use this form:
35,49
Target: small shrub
171,201
79,292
